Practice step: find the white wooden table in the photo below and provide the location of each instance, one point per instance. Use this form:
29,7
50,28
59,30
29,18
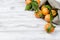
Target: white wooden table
18,24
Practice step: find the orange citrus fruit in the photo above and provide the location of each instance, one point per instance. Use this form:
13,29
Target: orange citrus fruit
48,28
47,18
38,1
43,6
38,14
28,2
45,11
53,12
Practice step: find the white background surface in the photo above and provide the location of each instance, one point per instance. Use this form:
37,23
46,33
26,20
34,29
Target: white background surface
18,24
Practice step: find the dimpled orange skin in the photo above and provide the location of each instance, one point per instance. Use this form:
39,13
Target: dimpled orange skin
38,13
27,2
54,12
47,18
46,27
45,11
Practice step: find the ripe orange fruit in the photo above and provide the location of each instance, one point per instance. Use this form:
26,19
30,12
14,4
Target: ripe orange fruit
47,18
28,2
38,1
45,11
38,14
53,12
43,6
48,28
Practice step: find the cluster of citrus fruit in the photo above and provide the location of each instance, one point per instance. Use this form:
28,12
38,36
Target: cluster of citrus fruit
45,12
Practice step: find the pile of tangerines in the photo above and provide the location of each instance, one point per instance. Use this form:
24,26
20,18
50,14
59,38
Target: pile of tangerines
45,12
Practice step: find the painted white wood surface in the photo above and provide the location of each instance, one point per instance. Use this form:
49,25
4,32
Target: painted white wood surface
18,24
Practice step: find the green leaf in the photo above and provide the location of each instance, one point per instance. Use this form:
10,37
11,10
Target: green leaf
49,7
49,28
28,7
41,15
35,6
51,17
